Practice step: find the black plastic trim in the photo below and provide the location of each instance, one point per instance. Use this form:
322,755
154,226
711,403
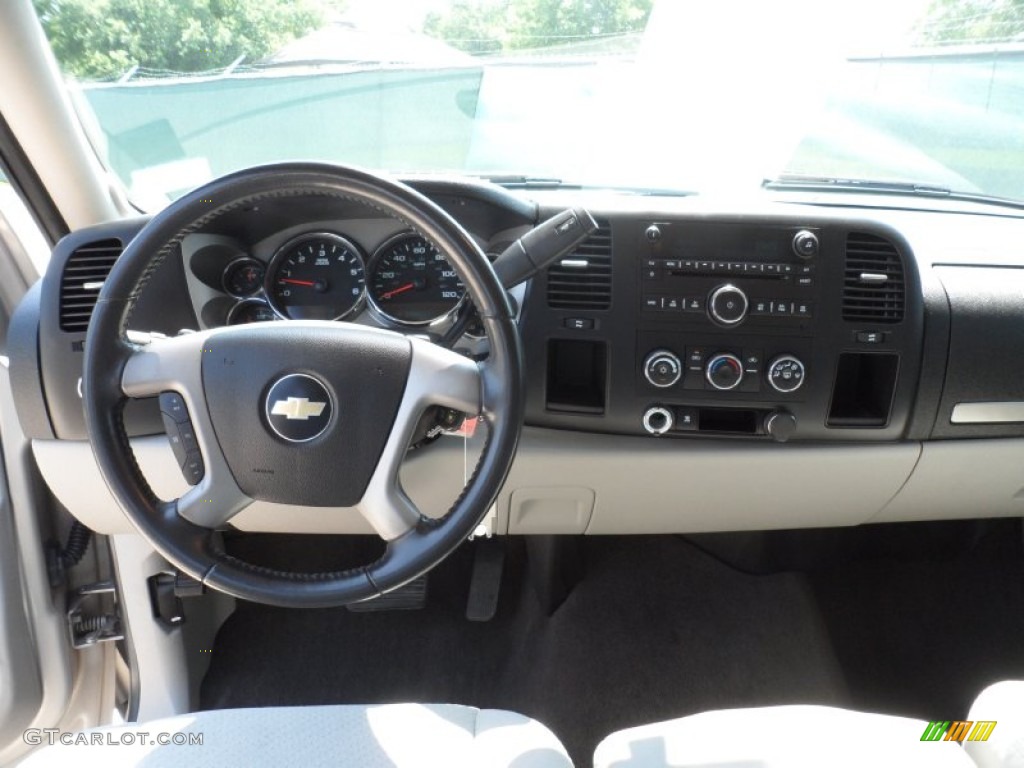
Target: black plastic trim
26,370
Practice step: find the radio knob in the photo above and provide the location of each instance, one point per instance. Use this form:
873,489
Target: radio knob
805,244
724,371
658,420
786,374
727,305
662,368
780,425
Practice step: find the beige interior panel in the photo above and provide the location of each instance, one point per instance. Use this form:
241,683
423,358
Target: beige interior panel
962,478
645,485
639,485
432,477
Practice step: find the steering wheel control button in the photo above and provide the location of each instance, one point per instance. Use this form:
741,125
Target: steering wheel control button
193,468
786,374
173,405
173,430
662,368
724,371
727,305
658,420
298,408
805,244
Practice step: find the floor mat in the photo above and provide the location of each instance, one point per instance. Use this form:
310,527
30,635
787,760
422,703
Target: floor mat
922,639
657,629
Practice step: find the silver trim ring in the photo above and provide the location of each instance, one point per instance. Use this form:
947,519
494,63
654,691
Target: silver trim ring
724,356
658,411
670,357
714,295
274,264
240,260
786,359
327,393
371,266
252,300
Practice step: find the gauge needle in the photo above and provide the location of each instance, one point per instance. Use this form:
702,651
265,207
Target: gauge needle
292,281
398,290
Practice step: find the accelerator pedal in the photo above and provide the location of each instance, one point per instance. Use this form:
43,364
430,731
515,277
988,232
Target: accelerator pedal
408,597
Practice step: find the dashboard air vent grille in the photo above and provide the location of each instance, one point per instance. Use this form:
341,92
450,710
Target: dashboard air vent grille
873,284
84,273
582,279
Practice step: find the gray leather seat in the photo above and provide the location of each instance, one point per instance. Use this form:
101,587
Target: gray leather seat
386,736
780,737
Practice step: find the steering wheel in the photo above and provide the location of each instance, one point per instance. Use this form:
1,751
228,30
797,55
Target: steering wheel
310,413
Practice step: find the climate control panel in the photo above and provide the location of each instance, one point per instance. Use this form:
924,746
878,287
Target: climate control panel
708,368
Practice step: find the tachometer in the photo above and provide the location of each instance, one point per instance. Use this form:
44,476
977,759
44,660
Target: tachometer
411,282
316,277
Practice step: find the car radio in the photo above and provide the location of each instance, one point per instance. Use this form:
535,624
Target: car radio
678,279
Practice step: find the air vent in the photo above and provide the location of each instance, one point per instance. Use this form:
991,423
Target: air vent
873,286
582,279
84,273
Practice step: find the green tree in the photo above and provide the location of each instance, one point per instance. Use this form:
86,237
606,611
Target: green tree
489,26
471,27
972,21
97,39
541,23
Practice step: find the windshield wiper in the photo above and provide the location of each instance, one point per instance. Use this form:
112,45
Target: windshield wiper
877,187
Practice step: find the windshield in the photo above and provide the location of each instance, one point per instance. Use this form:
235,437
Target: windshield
677,95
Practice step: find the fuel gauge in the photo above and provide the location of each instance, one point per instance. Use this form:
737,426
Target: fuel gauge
251,311
243,277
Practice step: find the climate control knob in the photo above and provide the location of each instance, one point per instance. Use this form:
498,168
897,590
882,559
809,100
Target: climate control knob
724,371
727,305
786,374
662,368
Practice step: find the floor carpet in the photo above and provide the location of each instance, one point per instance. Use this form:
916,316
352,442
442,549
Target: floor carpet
658,628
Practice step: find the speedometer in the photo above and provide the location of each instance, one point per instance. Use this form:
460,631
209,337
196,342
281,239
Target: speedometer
316,277
411,282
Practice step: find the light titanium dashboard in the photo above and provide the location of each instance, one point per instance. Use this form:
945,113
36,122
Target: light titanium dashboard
694,366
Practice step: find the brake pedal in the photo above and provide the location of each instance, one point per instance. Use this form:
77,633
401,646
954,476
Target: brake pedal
408,597
485,584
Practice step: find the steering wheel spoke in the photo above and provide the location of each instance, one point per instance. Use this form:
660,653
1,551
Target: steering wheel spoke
165,364
173,366
437,376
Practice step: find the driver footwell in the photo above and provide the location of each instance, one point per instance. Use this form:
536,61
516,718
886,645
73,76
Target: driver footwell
657,628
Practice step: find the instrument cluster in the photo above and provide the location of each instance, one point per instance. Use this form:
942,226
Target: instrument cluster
406,281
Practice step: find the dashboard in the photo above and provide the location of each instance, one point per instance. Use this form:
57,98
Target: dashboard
691,366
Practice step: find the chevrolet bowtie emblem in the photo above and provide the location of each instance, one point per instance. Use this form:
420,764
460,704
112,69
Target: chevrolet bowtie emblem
300,408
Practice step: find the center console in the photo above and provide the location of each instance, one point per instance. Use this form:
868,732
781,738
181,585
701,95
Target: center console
763,328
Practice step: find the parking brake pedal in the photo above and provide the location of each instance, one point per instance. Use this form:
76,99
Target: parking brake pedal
408,597
485,585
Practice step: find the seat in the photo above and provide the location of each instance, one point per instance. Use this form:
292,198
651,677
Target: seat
780,737
386,736
1002,703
